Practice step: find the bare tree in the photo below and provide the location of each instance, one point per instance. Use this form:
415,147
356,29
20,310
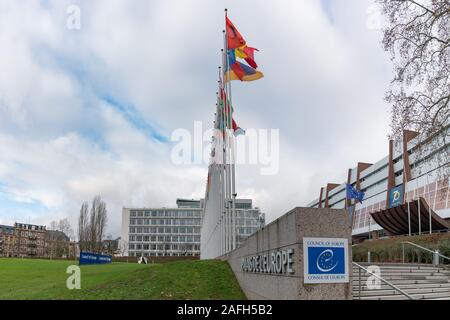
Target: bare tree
123,247
83,231
91,227
64,226
418,38
53,225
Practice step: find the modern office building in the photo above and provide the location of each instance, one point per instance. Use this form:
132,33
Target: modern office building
406,192
176,231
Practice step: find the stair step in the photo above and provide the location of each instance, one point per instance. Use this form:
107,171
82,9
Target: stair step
384,292
415,296
407,286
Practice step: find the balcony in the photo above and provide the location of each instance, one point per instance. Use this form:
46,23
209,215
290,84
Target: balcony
32,238
32,245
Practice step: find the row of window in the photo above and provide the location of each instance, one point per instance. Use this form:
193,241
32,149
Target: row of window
162,253
160,230
164,247
196,213
167,222
133,238
166,213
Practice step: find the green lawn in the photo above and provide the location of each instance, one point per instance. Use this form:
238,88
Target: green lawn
46,279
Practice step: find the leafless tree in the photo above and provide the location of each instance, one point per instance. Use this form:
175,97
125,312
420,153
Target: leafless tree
64,226
418,38
53,225
91,227
123,246
83,230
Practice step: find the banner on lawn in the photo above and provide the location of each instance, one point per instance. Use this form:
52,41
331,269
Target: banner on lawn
94,258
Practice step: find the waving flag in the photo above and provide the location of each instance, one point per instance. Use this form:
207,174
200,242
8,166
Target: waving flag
237,48
243,72
237,130
248,54
234,38
352,193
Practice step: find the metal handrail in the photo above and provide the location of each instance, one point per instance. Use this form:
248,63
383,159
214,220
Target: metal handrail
385,281
423,248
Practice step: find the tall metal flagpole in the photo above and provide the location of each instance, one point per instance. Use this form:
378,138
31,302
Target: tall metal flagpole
232,199
226,173
222,244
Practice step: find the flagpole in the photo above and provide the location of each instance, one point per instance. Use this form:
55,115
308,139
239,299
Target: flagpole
232,152
222,175
226,151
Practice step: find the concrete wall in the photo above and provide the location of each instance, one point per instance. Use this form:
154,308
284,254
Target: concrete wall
285,233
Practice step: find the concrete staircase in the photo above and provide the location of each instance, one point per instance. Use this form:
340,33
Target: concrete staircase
421,281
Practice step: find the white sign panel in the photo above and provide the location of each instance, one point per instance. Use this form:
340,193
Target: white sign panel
325,260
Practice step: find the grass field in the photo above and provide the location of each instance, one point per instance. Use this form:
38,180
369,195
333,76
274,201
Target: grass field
46,279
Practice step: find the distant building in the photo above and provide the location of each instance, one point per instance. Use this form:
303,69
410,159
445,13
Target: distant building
7,240
111,246
176,231
57,244
29,240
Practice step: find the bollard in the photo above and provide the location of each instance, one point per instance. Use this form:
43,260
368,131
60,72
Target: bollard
369,257
436,258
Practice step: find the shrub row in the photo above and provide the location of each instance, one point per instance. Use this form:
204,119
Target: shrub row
390,250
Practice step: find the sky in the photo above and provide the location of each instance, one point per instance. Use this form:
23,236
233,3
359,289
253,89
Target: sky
91,111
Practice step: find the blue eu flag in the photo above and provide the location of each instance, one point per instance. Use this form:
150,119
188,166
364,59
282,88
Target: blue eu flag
352,193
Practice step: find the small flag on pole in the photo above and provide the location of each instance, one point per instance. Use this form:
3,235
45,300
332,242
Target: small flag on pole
352,193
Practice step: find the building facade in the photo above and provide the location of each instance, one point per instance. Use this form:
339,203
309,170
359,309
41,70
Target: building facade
7,241
29,240
176,231
407,171
57,244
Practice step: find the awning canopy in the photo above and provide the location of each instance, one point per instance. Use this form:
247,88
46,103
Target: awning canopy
395,220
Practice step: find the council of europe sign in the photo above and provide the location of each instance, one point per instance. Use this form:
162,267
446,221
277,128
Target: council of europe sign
278,262
325,260
94,258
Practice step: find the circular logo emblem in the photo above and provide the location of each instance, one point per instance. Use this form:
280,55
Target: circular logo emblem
325,261
396,195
